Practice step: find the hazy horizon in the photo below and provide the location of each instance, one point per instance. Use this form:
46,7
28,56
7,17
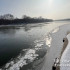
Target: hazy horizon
53,9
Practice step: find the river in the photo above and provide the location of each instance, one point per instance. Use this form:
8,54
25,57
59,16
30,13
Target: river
26,38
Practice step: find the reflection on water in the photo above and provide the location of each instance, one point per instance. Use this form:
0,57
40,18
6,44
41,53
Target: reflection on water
48,40
14,38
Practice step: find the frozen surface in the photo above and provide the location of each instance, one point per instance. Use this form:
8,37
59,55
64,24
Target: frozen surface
65,60
56,46
55,30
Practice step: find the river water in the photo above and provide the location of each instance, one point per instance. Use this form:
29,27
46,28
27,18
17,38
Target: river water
25,39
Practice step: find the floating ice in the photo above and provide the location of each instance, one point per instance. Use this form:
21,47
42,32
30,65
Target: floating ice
20,61
29,57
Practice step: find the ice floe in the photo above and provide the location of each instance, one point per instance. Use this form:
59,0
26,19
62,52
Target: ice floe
21,61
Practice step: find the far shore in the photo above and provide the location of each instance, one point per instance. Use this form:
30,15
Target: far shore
23,21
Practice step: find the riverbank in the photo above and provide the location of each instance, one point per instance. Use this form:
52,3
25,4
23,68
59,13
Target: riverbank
65,59
57,65
65,43
65,40
23,21
56,46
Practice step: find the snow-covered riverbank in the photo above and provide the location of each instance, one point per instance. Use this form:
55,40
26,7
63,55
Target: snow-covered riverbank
56,46
65,59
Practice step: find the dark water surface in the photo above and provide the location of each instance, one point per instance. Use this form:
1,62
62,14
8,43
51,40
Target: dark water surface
14,38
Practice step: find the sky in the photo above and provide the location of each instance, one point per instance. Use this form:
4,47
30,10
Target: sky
53,9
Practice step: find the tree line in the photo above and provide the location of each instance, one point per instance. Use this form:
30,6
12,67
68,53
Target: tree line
10,19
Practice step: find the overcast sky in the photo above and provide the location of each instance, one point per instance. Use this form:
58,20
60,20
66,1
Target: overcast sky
54,9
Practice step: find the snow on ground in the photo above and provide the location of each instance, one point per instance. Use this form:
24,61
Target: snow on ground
65,60
56,46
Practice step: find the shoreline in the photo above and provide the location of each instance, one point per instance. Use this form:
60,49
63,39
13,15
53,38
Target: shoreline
23,21
64,46
57,43
65,55
65,43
